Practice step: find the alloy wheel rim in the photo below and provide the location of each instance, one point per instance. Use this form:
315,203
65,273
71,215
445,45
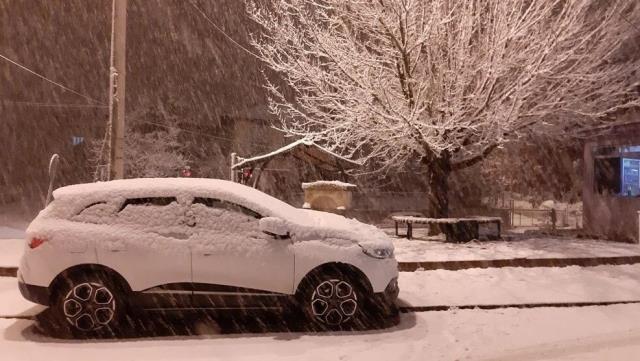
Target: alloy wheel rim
334,302
89,306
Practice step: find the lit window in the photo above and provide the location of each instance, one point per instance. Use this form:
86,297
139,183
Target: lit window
617,170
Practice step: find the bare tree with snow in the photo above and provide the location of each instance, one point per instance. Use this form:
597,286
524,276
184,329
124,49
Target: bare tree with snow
442,83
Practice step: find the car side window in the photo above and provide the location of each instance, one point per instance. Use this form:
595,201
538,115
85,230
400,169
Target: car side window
97,212
151,211
148,201
224,218
220,204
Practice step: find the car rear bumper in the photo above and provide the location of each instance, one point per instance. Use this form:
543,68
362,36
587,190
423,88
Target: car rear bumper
36,294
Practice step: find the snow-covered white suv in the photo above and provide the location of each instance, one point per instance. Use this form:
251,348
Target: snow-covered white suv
101,250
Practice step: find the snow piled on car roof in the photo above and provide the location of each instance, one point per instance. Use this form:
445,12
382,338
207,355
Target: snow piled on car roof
303,225
178,187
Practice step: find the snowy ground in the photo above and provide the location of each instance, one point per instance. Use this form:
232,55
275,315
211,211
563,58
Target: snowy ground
514,285
587,333
582,333
491,286
428,249
10,232
11,301
11,251
11,240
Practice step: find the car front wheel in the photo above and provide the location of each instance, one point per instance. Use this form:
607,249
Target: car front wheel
334,300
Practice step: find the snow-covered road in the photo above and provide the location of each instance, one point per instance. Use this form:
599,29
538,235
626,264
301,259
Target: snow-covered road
586,333
491,286
581,333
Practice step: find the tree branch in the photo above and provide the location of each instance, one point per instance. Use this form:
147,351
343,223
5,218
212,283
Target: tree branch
468,162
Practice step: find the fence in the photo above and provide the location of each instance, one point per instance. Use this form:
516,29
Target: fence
523,217
376,207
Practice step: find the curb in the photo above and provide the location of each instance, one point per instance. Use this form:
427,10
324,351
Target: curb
8,271
517,262
415,309
411,309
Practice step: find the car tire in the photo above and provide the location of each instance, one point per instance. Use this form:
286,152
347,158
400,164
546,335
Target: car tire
334,300
90,305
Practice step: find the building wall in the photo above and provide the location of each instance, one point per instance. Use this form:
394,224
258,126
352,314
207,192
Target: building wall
609,216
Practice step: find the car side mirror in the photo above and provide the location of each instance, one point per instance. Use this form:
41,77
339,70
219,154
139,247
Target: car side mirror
274,226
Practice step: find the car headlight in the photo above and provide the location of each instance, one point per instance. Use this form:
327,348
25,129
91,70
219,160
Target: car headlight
380,253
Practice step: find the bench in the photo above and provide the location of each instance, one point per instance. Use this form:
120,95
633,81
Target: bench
456,229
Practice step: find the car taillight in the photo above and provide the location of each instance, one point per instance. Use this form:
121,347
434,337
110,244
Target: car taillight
36,242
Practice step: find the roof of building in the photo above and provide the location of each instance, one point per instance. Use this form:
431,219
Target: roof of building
305,150
629,127
324,184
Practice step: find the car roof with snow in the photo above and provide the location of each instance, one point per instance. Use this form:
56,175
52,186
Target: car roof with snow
251,198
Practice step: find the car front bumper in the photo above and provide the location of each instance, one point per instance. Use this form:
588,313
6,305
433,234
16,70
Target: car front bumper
390,293
36,294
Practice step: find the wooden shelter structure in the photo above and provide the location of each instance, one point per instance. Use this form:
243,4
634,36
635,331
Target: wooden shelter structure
249,170
611,186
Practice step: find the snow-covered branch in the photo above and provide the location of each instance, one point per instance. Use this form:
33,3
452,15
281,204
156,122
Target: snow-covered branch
391,81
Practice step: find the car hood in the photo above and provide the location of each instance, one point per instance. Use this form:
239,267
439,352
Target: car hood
328,226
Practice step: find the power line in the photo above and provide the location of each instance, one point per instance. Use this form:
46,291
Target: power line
222,31
49,80
263,145
52,105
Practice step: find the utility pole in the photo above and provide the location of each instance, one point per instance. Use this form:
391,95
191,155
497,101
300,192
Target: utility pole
117,74
233,173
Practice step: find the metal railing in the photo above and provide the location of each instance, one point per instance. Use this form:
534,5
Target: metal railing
524,217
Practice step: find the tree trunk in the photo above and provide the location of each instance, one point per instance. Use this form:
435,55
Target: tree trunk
438,172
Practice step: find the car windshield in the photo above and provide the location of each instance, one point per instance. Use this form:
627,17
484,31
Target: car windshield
267,205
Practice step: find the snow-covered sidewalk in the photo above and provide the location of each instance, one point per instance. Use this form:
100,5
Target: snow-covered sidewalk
11,301
11,245
533,247
10,232
514,285
10,252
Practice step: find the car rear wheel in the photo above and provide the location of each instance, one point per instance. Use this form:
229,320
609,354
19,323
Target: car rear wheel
90,306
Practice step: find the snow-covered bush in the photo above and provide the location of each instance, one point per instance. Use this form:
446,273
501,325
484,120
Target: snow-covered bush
153,148
154,154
